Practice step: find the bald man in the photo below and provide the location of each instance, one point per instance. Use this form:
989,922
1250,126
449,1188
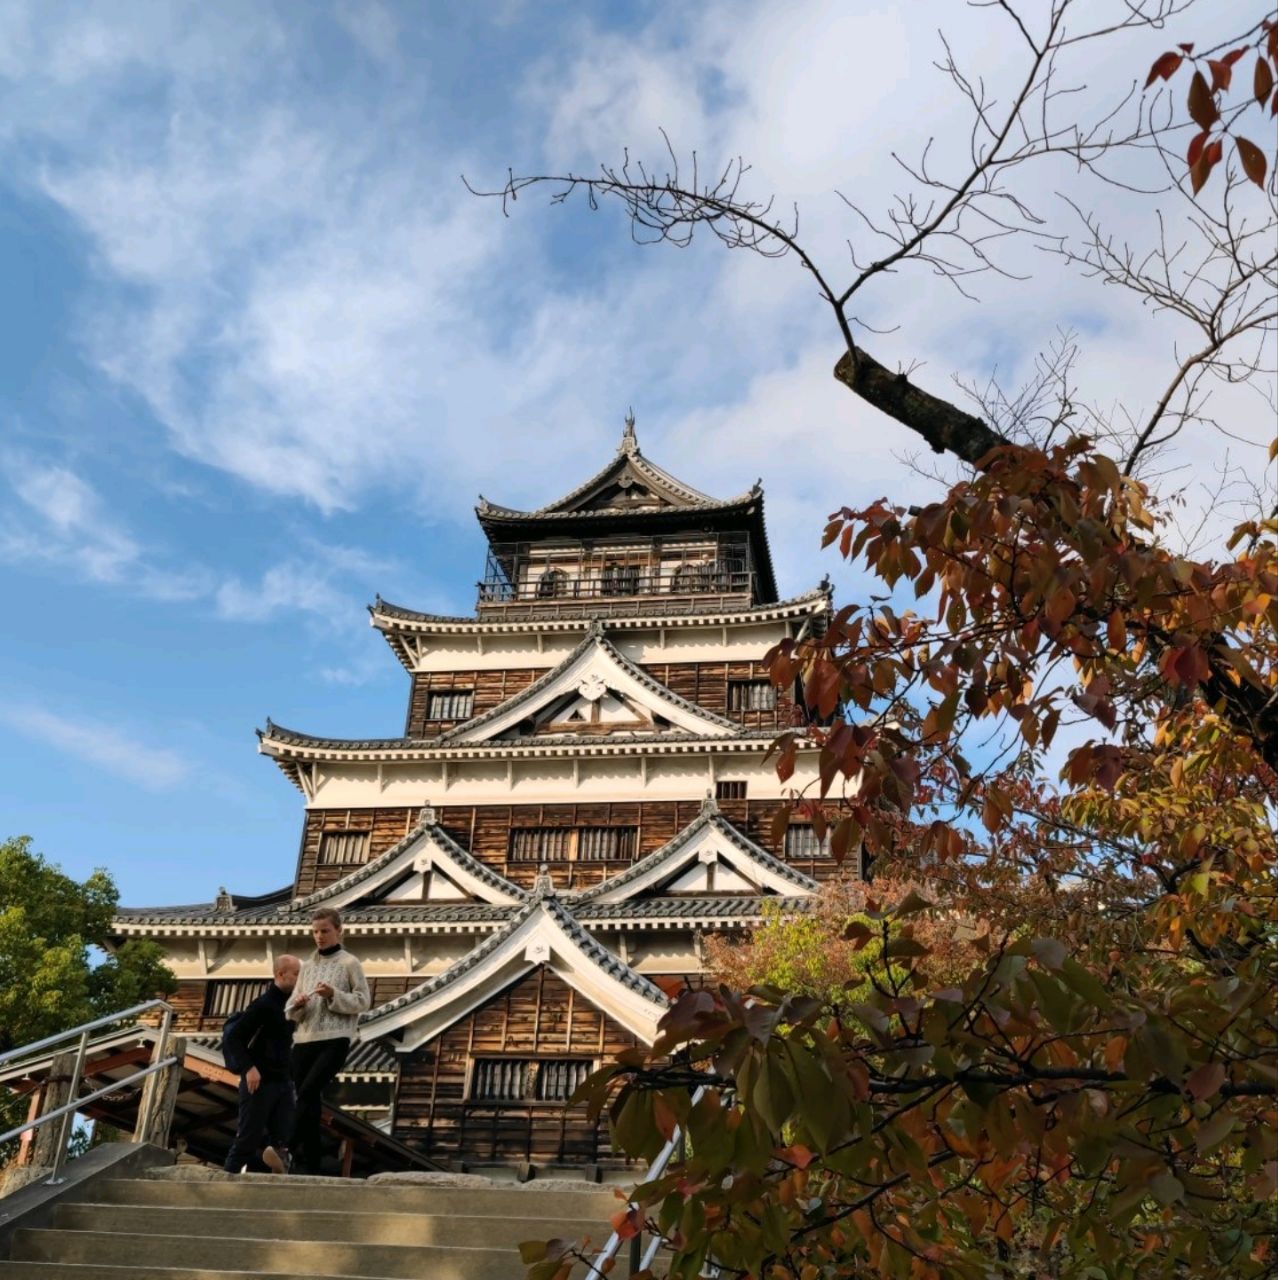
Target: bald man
263,1037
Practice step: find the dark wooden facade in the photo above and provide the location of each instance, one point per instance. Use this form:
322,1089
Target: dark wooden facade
540,1019
486,831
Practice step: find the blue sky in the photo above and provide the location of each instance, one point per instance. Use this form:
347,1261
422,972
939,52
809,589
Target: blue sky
260,351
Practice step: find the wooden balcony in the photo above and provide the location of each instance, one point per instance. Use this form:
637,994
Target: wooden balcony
569,580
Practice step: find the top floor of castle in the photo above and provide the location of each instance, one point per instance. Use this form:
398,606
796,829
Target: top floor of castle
632,540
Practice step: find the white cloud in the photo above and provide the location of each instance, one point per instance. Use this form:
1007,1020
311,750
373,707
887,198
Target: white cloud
100,744
294,283
65,523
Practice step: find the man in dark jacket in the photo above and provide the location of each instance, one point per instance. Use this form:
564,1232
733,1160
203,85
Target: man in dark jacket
264,1038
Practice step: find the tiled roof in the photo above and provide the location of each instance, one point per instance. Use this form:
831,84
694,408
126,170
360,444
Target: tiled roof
628,457
685,907
385,609
425,824
367,1057
709,816
389,913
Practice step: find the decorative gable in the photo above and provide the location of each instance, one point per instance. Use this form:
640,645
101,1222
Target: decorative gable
542,932
594,691
709,856
426,865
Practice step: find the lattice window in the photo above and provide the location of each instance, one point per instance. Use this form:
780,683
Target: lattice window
568,844
801,842
557,1079
450,704
729,790
500,1079
619,579
540,844
751,695
221,999
527,1079
344,848
606,844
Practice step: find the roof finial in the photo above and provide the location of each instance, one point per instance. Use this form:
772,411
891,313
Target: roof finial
629,441
428,817
709,806
224,901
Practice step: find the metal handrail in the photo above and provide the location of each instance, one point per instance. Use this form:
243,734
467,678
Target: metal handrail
655,1170
66,1112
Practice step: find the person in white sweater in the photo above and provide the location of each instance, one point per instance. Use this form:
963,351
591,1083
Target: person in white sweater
330,995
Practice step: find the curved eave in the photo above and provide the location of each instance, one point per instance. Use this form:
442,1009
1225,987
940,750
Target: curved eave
392,619
290,756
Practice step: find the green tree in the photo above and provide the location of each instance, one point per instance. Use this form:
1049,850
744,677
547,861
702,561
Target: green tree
53,931
57,968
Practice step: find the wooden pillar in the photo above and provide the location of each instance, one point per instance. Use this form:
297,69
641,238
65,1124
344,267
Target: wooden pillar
159,1098
56,1093
26,1141
347,1154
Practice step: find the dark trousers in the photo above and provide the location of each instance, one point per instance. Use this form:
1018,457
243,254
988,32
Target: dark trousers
266,1117
315,1063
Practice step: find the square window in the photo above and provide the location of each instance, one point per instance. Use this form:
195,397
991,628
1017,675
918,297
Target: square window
450,704
751,695
344,848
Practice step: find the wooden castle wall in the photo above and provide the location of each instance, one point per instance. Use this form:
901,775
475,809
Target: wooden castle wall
485,831
538,1017
190,999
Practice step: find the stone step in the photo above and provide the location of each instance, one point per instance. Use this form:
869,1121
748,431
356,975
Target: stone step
110,1249
348,1196
300,1223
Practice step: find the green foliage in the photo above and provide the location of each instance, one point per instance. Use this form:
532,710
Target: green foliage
50,927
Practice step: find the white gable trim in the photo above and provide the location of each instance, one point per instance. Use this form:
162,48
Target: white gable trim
419,854
595,666
538,939
706,840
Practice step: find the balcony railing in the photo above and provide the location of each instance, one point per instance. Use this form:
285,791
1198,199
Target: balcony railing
496,591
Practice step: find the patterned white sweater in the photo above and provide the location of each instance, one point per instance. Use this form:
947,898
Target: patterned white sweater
335,1019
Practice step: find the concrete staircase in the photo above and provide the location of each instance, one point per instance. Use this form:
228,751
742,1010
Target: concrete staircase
163,1228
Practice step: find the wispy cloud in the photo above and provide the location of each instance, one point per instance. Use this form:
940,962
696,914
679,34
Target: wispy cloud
100,744
61,520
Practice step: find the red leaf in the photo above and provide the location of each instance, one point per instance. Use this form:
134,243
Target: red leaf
1196,145
1188,48
1262,81
1233,56
1164,68
1253,160
1205,1081
1221,74
1202,106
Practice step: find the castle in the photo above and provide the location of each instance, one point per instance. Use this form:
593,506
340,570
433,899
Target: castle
581,793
